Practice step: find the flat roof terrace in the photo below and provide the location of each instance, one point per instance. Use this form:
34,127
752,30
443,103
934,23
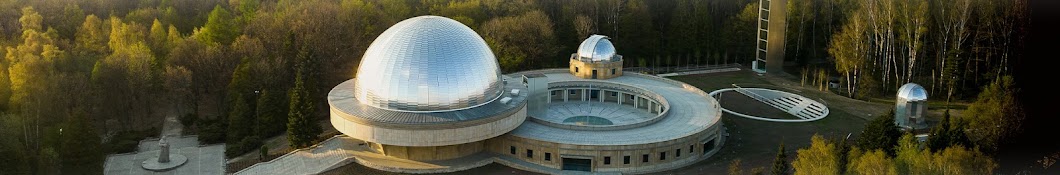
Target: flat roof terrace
691,111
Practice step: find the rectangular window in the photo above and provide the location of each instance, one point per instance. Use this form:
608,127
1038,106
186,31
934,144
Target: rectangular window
548,156
529,153
607,160
707,147
572,91
612,71
625,160
691,148
614,94
913,109
644,158
553,93
677,153
632,97
662,156
513,150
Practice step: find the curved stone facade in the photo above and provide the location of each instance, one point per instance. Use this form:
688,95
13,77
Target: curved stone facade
426,137
394,128
661,156
678,125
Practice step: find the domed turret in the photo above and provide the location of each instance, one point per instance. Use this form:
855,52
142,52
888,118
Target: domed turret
596,59
597,48
910,105
428,64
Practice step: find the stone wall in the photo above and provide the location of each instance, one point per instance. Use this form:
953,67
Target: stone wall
427,137
551,154
426,153
584,70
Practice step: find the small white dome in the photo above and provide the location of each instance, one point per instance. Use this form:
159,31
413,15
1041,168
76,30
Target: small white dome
597,48
912,92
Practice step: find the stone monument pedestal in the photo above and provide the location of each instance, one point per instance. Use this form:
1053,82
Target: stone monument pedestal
164,161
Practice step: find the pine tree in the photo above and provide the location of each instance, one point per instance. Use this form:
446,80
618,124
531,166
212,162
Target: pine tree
240,119
880,133
780,163
80,147
940,138
271,113
241,112
948,133
301,129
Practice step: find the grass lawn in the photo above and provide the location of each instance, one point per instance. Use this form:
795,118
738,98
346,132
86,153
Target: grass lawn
755,142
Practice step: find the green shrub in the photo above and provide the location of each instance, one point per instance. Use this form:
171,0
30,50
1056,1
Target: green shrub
188,119
245,145
211,131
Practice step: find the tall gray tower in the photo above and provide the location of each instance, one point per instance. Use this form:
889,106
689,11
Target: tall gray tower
769,54
537,103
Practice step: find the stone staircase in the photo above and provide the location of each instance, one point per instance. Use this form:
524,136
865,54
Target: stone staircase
798,106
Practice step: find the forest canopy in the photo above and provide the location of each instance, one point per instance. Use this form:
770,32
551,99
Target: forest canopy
117,68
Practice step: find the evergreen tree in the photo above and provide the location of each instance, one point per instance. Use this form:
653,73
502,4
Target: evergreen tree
780,163
880,133
80,147
271,113
301,129
948,133
241,112
940,137
240,119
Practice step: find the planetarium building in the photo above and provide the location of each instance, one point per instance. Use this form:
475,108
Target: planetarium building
429,89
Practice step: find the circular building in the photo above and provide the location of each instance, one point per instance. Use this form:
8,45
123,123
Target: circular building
910,105
427,89
428,64
596,59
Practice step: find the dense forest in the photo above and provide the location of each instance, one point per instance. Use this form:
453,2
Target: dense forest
107,72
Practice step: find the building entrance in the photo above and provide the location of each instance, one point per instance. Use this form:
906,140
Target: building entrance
576,164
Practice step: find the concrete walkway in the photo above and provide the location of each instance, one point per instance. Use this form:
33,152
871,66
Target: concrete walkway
341,150
700,72
171,126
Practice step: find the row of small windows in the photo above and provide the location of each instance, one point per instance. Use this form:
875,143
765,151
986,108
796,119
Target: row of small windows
577,69
575,91
707,147
530,153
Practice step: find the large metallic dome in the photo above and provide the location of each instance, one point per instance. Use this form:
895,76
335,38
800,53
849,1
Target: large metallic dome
912,92
428,64
597,48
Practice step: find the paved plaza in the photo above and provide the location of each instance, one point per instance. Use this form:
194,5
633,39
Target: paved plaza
201,159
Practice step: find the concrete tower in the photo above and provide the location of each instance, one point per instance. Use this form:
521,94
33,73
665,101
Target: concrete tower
769,54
